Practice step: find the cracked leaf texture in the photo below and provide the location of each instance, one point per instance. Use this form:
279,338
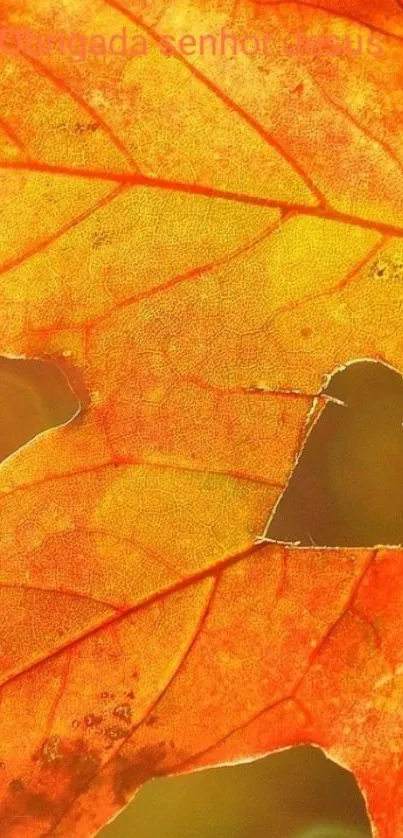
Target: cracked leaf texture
201,239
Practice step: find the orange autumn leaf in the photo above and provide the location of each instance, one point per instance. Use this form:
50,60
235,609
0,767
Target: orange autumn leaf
199,241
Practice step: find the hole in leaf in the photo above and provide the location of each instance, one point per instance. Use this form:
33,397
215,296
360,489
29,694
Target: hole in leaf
297,793
34,396
345,490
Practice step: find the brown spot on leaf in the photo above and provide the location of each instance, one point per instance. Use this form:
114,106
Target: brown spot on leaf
91,720
123,712
131,774
16,786
74,762
115,733
85,128
39,805
82,765
51,750
381,268
25,804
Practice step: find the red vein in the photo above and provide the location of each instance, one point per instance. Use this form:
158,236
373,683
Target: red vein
206,611
140,606
48,478
120,462
331,12
227,101
342,615
58,591
152,554
41,246
342,109
176,572
193,640
292,695
11,134
50,169
188,762
370,625
328,292
192,274
232,474
248,391
59,696
208,192
65,88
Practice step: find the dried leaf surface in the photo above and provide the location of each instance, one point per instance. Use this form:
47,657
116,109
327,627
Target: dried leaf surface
202,240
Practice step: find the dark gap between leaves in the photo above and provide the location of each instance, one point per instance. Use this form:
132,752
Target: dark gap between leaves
35,396
297,793
346,487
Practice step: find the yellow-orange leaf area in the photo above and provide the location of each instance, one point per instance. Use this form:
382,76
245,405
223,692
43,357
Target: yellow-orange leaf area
202,240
